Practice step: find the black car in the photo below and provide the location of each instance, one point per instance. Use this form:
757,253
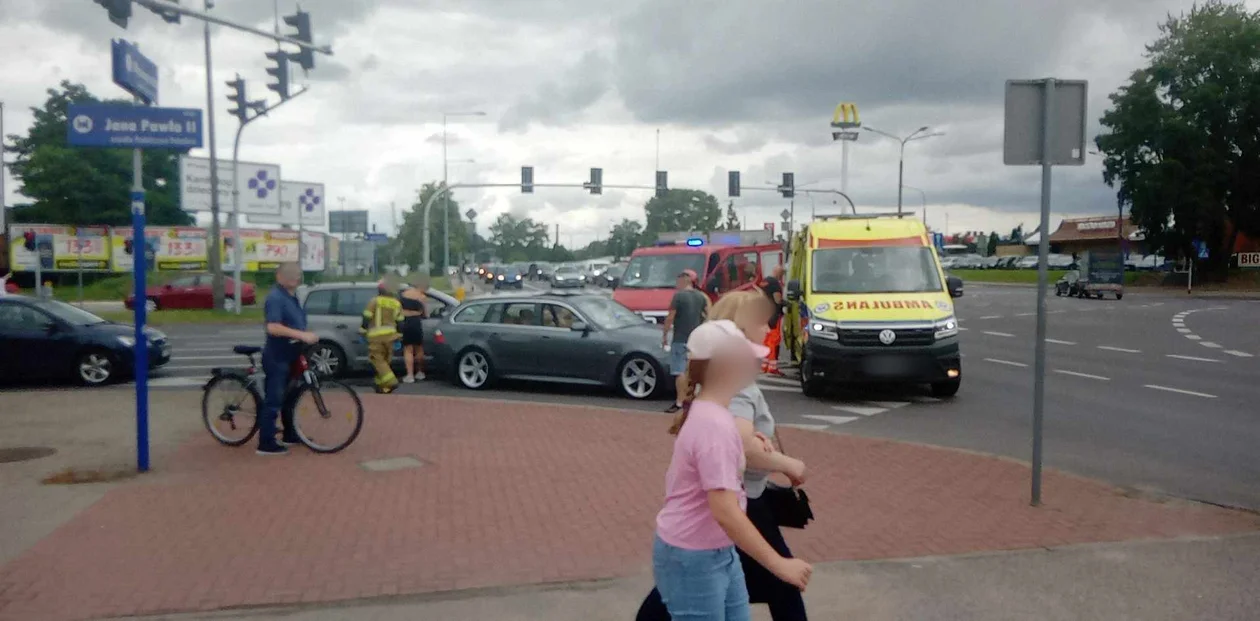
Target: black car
47,339
1070,284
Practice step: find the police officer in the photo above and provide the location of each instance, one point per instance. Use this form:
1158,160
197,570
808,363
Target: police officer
380,326
286,322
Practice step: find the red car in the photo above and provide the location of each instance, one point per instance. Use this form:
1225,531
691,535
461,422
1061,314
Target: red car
11,287
192,292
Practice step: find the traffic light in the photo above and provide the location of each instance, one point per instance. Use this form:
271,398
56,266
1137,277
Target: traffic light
596,184
236,95
662,183
171,17
788,189
527,179
301,22
280,72
732,183
119,11
28,241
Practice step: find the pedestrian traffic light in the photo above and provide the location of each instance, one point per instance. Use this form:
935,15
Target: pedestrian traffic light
301,23
788,189
119,11
28,241
662,183
527,179
280,72
236,95
732,183
596,184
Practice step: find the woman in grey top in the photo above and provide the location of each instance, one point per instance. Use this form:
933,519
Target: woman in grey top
751,311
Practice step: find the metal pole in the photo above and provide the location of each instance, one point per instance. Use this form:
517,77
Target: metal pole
3,222
844,166
237,253
39,273
1043,277
901,172
166,6
215,259
141,345
446,204
78,249
1190,276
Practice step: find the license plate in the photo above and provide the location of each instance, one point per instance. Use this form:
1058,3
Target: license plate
888,366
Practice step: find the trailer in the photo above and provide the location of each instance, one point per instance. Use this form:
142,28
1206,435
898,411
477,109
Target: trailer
1102,272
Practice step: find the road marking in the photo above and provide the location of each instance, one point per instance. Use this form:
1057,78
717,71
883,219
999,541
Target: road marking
992,317
1085,375
1006,362
236,357
780,388
1193,337
1157,304
1240,354
860,410
891,405
1178,390
191,367
962,328
1055,312
778,380
1120,349
1058,342
999,334
1210,344
834,420
1194,358
1184,330
806,427
1024,314
175,382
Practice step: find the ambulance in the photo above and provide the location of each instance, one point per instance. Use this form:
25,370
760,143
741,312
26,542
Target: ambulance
870,304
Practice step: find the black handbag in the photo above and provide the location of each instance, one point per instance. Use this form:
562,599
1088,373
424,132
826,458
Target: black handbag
790,505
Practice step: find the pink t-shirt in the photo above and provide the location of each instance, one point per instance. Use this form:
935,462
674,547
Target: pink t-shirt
708,455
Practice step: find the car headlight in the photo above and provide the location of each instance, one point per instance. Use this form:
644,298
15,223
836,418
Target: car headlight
581,278
946,328
500,276
518,276
819,328
127,341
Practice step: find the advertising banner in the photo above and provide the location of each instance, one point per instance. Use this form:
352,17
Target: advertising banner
59,248
167,249
258,184
314,252
260,250
297,197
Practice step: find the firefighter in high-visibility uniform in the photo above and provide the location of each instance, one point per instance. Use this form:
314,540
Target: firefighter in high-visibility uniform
380,326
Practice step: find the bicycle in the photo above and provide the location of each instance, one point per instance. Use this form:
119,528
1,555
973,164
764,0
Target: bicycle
223,422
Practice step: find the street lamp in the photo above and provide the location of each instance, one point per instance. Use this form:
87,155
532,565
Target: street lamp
446,199
901,164
924,195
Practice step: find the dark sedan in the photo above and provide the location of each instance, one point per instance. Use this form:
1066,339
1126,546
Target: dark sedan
47,339
553,337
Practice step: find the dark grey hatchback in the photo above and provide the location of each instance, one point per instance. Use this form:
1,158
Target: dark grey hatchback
553,337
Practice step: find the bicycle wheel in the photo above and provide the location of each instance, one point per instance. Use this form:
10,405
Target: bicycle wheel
327,418
229,408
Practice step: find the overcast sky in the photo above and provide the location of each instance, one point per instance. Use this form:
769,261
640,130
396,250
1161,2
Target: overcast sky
567,85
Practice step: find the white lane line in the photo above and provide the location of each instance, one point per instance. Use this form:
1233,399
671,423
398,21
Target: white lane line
1058,342
834,420
1006,362
1194,358
778,380
992,317
1180,391
190,367
1004,334
1055,312
1157,304
779,388
1193,337
1184,330
175,382
1240,354
1210,344
236,357
860,410
1024,314
1085,375
962,328
1120,349
889,404
806,427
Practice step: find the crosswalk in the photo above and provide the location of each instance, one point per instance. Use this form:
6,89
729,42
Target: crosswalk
831,413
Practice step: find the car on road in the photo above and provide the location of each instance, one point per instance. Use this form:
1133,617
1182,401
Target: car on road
562,337
612,276
1069,284
47,339
334,311
568,277
192,291
510,276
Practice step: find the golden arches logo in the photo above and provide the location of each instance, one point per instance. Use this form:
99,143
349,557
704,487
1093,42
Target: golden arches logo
846,115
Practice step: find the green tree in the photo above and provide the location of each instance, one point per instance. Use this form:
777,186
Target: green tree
682,210
993,244
408,244
1182,138
732,218
1017,235
624,237
73,185
519,239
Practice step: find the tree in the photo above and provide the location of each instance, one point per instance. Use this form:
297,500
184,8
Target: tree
732,218
624,237
73,185
993,244
681,210
519,239
1017,235
408,244
1182,138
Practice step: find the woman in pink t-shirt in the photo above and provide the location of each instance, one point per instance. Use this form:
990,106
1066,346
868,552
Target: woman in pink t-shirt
694,562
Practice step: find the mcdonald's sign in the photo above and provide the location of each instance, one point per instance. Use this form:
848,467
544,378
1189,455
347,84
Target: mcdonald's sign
846,116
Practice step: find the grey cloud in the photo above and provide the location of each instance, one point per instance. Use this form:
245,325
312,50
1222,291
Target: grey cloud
579,88
745,140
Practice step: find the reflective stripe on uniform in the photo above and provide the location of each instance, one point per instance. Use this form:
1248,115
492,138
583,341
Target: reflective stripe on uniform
382,331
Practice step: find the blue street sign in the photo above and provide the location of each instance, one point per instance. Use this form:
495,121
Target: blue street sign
1201,248
379,238
938,240
120,125
133,72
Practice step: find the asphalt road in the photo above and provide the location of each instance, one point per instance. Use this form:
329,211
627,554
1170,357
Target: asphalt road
1154,391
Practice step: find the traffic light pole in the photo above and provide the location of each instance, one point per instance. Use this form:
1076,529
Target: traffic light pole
163,6
141,343
237,251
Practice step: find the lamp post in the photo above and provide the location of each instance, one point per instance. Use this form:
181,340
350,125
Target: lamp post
924,195
446,200
472,240
901,164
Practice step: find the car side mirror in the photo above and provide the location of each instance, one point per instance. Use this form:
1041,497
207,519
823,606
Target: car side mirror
793,290
955,285
579,326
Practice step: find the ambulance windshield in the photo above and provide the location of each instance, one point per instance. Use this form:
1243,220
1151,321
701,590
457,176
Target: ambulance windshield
888,269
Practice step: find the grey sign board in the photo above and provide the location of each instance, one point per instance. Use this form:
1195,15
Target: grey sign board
1024,124
348,221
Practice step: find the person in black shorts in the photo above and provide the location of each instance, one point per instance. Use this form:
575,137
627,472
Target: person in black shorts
412,300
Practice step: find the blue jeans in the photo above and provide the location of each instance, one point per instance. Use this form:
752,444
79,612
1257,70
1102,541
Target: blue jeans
677,358
700,585
275,385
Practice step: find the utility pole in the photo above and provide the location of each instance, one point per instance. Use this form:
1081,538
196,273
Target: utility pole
212,245
3,223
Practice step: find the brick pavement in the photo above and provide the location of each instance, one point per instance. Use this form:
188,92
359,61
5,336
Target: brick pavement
514,493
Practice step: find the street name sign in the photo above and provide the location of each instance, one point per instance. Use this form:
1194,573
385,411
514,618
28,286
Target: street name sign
121,125
135,73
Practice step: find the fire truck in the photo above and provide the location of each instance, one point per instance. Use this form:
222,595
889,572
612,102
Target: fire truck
723,260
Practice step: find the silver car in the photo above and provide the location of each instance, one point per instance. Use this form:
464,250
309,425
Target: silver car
553,337
334,311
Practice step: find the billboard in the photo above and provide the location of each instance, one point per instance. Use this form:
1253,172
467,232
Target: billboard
348,221
166,248
260,250
59,248
297,197
258,185
314,251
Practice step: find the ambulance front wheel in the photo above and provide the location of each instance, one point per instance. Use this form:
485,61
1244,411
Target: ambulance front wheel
810,386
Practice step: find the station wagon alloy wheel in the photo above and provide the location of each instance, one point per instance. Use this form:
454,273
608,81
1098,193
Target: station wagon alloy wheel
95,368
638,378
325,358
474,370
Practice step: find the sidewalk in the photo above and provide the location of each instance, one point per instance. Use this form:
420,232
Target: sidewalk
507,494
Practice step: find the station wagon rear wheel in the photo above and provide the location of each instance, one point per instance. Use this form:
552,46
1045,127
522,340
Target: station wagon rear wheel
638,377
473,369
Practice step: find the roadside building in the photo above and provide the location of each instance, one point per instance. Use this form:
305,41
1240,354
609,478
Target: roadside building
1077,235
